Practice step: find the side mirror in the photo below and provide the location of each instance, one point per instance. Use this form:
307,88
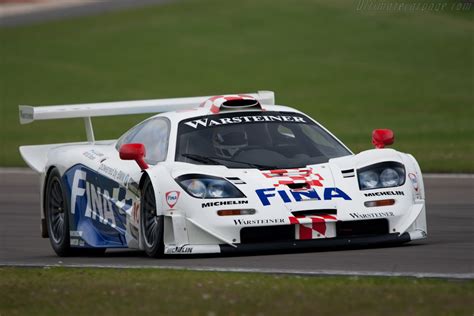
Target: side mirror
382,138
134,152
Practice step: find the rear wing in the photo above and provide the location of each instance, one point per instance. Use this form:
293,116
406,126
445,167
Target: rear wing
29,114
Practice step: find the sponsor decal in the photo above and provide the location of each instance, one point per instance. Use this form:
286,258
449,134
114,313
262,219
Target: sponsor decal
384,193
235,118
75,233
77,242
100,203
414,181
115,174
243,222
181,249
93,154
172,198
371,215
208,122
224,203
327,194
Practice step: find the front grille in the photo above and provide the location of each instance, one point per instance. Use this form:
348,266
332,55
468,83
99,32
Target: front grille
362,228
250,235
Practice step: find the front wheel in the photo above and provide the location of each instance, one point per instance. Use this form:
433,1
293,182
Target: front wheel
151,224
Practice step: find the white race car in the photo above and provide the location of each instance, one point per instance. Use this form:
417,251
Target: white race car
222,174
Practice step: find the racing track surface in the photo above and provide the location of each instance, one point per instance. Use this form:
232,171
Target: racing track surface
448,251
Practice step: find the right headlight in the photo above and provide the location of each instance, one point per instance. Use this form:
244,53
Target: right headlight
208,187
382,175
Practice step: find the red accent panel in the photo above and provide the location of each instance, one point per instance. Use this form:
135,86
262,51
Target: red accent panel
316,183
215,109
305,232
285,182
293,220
232,98
298,178
319,225
327,216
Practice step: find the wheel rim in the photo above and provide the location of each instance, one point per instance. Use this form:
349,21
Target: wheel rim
56,207
149,219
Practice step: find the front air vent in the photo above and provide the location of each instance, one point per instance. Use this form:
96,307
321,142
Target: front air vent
362,228
349,173
249,235
314,213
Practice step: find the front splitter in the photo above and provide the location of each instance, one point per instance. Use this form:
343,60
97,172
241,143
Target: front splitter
338,242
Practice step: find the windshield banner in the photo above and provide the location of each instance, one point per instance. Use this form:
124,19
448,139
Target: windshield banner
203,122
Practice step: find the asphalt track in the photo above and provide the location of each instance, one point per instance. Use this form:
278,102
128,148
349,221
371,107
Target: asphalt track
447,252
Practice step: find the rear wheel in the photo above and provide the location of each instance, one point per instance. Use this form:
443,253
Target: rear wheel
57,214
151,224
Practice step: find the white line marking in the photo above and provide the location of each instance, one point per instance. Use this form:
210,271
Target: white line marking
15,9
448,175
16,171
19,170
466,276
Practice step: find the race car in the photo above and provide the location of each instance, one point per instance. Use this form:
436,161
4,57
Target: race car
220,174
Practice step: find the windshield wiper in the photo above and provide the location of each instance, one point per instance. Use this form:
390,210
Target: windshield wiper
200,158
214,160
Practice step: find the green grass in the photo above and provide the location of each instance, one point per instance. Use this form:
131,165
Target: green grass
352,70
60,291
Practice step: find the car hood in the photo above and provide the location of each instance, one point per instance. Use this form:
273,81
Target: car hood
310,187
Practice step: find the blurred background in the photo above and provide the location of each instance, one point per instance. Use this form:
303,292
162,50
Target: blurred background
352,65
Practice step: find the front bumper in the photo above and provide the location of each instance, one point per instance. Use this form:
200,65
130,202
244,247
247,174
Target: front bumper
297,245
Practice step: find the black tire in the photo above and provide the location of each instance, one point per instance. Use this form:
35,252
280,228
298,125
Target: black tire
57,214
151,224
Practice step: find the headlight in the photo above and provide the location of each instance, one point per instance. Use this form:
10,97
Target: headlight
389,178
381,175
369,179
208,187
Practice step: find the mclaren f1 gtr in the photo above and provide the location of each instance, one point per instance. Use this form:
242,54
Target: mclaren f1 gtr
221,174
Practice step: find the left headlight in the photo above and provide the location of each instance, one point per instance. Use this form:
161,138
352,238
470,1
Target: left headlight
208,187
382,175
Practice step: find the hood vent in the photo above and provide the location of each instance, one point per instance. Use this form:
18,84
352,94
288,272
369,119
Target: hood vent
299,186
236,180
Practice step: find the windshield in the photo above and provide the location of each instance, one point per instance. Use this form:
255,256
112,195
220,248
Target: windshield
264,140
